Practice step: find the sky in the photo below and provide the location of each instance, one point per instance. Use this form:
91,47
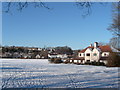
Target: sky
62,25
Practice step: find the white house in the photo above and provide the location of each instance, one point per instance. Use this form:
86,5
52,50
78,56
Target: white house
52,55
62,56
37,56
95,53
57,56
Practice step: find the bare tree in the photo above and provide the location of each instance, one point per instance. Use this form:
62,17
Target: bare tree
115,42
115,26
84,6
8,6
103,43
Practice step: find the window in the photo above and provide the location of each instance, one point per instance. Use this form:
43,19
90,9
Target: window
105,54
95,54
88,54
80,54
88,60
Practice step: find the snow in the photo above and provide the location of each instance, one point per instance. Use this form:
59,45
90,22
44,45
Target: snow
39,73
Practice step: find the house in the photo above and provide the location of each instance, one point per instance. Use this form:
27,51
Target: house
6,55
55,55
95,53
63,56
24,55
38,56
16,55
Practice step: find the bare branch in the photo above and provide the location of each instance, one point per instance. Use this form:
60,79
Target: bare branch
86,7
8,7
115,25
21,5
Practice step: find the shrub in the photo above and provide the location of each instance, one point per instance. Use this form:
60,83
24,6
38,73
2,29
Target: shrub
113,60
55,60
98,63
51,60
67,61
87,63
95,63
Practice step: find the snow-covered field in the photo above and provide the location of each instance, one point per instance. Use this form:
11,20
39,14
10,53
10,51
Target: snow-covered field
39,73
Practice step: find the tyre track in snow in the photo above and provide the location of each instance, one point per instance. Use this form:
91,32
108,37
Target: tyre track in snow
35,75
69,78
10,81
5,82
41,81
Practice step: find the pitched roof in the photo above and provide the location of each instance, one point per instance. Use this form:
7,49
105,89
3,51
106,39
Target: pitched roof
82,51
105,48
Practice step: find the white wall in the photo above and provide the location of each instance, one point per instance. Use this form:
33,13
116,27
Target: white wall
88,57
98,55
37,56
62,56
79,61
82,54
104,61
75,61
70,60
57,56
52,56
92,57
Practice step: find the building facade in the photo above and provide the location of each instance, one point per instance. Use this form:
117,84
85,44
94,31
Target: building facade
95,53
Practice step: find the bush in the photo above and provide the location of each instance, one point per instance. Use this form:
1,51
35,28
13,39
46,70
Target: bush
55,60
87,63
95,63
113,60
67,61
51,60
98,63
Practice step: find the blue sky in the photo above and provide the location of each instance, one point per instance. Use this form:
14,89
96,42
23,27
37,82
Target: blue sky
61,26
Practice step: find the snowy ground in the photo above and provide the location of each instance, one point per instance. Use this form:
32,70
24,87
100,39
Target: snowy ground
38,73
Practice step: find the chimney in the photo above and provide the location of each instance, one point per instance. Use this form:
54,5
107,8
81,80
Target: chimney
95,44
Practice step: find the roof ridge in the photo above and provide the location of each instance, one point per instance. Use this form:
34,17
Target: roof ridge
103,48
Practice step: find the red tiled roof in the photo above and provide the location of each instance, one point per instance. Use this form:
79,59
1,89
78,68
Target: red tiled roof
105,48
82,51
